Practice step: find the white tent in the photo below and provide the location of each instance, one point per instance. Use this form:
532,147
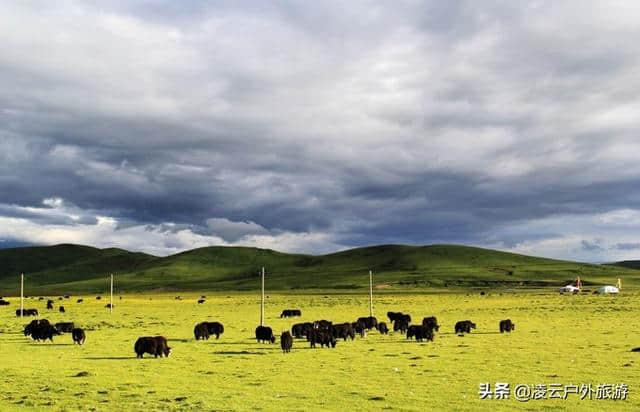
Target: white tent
569,289
608,289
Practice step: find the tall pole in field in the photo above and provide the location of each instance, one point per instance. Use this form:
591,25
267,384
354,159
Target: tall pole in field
111,300
371,293
21,295
262,301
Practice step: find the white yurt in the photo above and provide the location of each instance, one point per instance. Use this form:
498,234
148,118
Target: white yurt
608,289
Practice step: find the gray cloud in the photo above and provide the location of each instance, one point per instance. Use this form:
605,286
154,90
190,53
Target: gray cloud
628,246
344,123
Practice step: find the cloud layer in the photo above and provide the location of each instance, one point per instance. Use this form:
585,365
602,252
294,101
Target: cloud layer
315,127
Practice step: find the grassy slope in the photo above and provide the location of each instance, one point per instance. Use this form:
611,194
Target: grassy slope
71,268
629,264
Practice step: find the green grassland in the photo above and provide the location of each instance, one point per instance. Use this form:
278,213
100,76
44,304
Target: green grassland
65,269
570,339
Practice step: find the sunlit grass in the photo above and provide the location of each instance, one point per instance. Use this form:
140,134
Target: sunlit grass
558,339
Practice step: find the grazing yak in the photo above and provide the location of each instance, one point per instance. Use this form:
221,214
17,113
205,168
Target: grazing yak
30,327
153,345
382,328
401,325
49,304
394,316
61,309
359,328
299,330
265,334
3,302
288,313
109,306
201,331
78,336
205,329
98,297
201,301
27,312
215,328
322,324
41,330
344,331
464,326
324,338
79,300
420,333
431,322
286,342
370,322
66,327
507,326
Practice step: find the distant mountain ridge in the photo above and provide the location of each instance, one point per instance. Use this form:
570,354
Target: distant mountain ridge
68,268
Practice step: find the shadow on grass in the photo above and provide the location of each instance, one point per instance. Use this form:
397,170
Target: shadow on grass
242,352
116,358
43,345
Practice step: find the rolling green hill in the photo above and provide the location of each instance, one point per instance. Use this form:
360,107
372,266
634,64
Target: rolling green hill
629,264
76,269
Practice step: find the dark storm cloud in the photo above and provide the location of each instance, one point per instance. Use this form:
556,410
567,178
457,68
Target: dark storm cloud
351,123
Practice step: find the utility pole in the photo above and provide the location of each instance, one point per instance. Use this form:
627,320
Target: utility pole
111,300
370,293
21,295
262,301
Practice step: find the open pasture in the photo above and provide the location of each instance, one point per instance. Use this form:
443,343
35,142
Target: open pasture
558,339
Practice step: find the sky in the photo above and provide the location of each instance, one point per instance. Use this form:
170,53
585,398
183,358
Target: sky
313,127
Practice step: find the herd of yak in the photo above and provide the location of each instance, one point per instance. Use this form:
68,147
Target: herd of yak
322,332
326,333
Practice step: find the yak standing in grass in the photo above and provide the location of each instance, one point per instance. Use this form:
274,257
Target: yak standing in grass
286,341
431,322
360,328
61,309
27,312
153,345
344,331
299,330
382,328
401,325
323,337
41,330
507,326
215,328
265,334
420,333
201,331
370,322
464,326
78,336
49,304
288,313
